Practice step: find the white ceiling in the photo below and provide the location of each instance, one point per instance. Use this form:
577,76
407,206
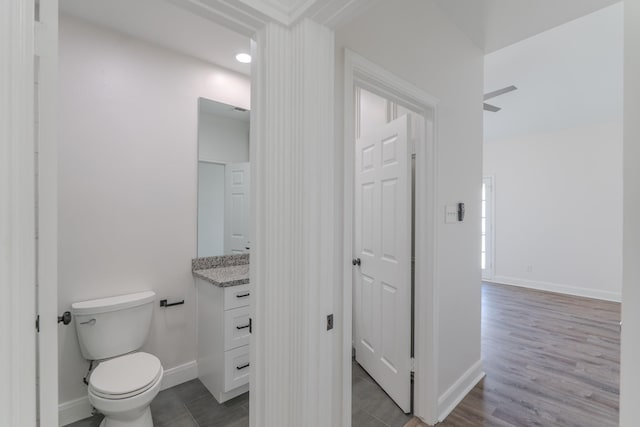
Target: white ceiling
569,76
561,82
162,23
494,24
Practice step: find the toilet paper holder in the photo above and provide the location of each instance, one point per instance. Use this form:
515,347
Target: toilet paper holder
165,303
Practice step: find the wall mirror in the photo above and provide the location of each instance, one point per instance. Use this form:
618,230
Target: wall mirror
223,179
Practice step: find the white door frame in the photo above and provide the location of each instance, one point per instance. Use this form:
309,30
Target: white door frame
17,216
360,72
47,217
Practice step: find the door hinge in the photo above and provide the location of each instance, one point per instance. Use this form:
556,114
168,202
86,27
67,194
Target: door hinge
38,323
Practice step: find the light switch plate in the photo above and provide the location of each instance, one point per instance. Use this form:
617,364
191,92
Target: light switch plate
451,214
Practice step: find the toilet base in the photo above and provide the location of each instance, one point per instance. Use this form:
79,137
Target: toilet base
144,420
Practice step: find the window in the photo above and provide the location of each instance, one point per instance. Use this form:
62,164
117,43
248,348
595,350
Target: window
486,248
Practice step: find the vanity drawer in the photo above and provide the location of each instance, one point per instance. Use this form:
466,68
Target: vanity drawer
236,368
236,328
237,296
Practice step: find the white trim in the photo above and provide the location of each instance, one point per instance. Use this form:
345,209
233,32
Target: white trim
557,288
179,374
237,17
293,230
17,222
79,409
360,72
74,410
349,180
249,16
454,394
47,211
335,13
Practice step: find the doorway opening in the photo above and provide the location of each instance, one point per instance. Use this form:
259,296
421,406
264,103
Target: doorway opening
133,131
378,294
545,149
383,293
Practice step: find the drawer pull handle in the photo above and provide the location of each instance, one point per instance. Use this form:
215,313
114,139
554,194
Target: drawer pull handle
243,295
243,327
239,368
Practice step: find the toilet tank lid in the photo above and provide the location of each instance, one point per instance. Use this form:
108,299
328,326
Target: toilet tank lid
104,305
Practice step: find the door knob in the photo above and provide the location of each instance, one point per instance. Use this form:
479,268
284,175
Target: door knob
356,261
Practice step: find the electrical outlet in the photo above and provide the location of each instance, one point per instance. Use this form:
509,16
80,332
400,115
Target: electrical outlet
529,268
329,322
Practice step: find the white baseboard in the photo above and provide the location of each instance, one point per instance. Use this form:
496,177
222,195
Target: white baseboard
78,409
179,374
454,395
74,410
557,288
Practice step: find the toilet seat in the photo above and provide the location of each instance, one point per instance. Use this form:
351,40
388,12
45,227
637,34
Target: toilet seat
125,376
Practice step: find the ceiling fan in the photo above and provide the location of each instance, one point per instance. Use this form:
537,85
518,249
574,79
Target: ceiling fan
493,108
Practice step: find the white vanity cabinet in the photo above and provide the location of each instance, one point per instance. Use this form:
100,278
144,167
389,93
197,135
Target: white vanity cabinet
223,338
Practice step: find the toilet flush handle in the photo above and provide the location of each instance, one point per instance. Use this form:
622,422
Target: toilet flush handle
89,322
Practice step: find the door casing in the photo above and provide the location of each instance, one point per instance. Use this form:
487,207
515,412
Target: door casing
17,220
360,72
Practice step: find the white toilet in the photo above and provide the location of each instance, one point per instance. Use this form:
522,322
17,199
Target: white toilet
124,383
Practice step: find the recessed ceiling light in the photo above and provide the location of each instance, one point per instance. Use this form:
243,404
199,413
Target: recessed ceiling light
245,58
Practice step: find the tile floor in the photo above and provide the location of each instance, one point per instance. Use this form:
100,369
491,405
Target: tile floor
191,405
370,406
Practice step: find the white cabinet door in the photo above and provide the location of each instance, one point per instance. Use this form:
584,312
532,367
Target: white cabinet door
236,328
236,204
383,245
236,367
237,296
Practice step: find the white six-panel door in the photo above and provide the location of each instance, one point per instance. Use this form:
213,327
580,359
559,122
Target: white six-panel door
383,248
236,215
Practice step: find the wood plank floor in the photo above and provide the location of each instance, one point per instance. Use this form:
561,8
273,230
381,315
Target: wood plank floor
550,360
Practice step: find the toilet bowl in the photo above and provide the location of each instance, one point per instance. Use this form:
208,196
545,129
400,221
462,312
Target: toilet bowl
125,381
122,389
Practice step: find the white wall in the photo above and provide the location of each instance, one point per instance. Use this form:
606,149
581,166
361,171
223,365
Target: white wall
558,210
222,139
416,41
127,182
630,368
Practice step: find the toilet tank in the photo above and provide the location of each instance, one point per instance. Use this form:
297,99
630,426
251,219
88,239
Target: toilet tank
109,327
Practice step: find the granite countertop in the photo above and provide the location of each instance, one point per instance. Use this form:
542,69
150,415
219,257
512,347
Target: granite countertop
225,276
223,271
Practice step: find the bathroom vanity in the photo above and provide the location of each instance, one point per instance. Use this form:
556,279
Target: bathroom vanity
223,324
